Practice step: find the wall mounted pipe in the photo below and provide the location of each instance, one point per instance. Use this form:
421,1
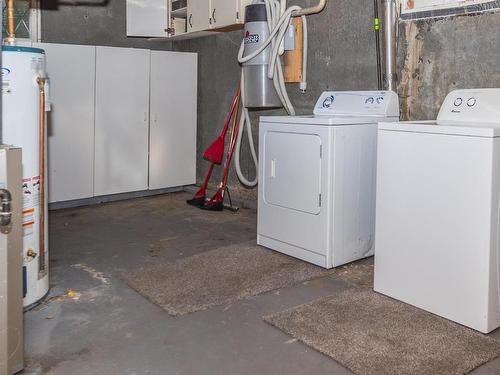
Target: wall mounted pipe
376,27
389,29
11,28
41,159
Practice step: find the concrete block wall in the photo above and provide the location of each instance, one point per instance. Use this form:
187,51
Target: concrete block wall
439,55
435,56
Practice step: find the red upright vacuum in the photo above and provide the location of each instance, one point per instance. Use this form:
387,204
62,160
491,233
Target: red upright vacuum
214,153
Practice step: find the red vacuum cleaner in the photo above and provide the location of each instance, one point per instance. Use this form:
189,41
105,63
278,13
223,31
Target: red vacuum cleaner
214,153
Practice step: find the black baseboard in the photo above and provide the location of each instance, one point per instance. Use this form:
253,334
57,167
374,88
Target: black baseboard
113,198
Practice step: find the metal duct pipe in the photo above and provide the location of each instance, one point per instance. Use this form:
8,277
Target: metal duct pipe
376,27
11,30
389,30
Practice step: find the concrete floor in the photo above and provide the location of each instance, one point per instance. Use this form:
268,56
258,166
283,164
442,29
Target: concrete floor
107,328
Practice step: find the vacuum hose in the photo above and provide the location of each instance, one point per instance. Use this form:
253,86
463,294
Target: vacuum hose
278,19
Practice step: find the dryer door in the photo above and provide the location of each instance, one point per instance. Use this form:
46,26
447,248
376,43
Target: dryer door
292,171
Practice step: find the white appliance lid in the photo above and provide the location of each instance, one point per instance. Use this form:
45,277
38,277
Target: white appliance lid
475,107
324,120
357,104
473,112
432,127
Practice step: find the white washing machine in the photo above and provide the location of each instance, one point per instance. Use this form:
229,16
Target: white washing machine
438,209
317,178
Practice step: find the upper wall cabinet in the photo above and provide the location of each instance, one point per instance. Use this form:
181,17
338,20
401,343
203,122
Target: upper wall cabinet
147,18
226,13
182,19
198,12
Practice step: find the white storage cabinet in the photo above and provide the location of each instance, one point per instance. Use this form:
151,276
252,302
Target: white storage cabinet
172,148
121,120
70,127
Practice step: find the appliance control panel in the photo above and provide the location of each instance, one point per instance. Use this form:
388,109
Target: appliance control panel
357,103
474,106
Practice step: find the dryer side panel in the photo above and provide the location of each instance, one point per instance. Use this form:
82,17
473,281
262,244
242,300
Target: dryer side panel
354,161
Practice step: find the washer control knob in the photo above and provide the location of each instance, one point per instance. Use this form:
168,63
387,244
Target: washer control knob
369,100
458,102
327,103
380,100
471,102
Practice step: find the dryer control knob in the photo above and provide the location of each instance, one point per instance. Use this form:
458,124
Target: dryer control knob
471,102
327,103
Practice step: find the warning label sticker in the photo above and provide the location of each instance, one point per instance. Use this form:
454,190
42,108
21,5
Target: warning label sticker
28,221
31,194
35,188
6,88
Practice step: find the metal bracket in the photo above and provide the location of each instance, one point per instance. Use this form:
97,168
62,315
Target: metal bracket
5,207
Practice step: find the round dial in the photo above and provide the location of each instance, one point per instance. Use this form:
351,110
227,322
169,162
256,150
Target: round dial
471,102
327,103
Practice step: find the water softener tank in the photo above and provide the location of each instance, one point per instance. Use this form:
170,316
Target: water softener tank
259,91
22,69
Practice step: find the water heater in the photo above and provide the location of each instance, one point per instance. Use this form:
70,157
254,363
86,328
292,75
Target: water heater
23,118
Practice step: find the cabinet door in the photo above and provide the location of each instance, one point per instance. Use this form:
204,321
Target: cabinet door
223,13
70,127
198,14
147,18
173,119
121,120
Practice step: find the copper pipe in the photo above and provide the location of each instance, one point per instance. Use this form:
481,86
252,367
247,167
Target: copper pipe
41,167
11,30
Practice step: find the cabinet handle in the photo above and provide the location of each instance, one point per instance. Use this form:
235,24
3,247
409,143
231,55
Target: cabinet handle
213,16
189,20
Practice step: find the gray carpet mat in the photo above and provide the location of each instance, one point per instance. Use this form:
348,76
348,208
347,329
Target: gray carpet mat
219,277
372,334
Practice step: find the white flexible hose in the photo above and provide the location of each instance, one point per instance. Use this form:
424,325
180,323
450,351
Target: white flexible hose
278,20
245,120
